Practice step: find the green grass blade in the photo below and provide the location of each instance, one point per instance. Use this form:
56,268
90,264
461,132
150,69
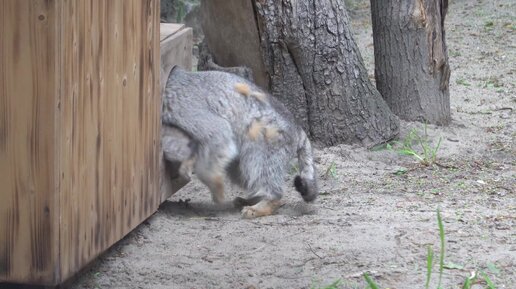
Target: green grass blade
490,284
407,152
470,281
370,282
441,253
424,146
410,152
467,284
434,153
429,263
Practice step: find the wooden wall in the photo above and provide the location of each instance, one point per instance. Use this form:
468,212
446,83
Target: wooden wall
79,131
28,88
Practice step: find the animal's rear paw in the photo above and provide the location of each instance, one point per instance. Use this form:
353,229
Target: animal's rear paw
249,212
262,208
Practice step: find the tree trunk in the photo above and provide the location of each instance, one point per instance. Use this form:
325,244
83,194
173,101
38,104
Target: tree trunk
411,61
310,62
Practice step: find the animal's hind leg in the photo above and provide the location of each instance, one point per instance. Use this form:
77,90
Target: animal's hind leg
263,170
234,173
216,185
210,167
186,167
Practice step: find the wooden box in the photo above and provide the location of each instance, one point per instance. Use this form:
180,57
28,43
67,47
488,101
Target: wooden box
79,131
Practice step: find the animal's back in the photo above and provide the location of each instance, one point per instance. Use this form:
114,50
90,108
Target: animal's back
195,101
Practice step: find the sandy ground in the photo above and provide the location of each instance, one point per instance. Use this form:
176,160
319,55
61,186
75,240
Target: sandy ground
377,209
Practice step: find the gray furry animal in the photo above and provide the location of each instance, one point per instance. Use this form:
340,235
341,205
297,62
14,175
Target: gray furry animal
240,132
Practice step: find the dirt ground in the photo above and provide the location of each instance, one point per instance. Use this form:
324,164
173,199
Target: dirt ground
377,209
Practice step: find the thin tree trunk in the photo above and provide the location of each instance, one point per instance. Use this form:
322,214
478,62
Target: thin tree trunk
411,62
312,65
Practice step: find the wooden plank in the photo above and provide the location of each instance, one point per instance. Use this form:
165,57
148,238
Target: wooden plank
169,29
176,49
110,122
28,86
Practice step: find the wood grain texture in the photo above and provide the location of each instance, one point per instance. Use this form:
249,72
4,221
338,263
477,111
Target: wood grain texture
28,85
166,30
79,131
176,49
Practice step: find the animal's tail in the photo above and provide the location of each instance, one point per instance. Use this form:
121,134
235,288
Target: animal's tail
306,181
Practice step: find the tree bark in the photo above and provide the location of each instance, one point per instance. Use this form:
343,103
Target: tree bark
411,62
311,63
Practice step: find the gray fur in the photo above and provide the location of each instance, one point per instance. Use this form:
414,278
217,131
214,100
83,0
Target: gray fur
206,106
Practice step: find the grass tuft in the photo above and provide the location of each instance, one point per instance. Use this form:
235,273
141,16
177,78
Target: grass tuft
331,171
424,152
474,278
